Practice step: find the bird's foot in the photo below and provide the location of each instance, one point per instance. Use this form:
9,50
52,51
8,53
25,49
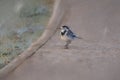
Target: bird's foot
66,47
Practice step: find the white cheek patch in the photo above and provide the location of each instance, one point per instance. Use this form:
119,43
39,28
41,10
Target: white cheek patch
62,30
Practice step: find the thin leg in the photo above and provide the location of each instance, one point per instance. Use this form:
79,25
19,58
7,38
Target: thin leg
67,44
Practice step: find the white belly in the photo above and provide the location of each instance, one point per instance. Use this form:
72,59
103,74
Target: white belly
65,38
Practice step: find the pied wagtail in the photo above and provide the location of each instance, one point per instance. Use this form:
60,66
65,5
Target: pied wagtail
67,35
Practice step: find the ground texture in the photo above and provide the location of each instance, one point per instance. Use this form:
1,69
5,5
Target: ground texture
95,57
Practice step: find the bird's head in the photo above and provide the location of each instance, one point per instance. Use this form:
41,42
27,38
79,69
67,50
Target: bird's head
64,27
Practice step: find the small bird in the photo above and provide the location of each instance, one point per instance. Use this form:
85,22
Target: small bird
67,35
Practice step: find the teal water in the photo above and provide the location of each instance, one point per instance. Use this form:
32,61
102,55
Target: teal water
21,23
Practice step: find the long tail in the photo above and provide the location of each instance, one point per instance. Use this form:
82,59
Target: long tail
79,37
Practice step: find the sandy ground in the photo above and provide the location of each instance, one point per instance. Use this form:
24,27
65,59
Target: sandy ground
96,57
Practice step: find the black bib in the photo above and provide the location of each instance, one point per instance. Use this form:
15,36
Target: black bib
63,33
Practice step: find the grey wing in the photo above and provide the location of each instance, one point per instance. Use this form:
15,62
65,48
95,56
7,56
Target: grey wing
71,34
